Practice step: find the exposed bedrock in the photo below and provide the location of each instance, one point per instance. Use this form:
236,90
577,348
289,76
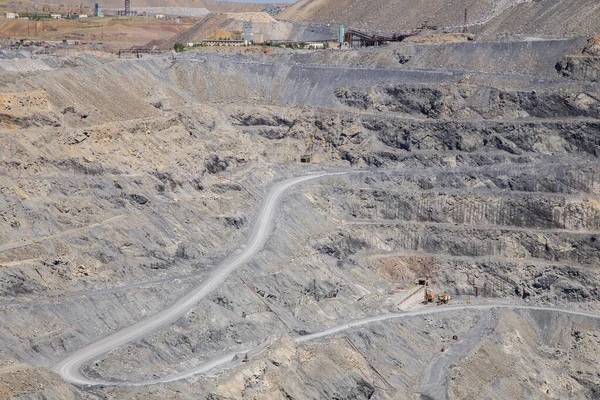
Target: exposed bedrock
118,198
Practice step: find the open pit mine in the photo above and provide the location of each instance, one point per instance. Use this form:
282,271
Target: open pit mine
315,201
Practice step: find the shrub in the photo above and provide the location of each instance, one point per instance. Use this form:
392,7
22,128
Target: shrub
215,164
178,47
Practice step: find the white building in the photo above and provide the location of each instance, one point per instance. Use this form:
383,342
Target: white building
55,16
11,15
226,43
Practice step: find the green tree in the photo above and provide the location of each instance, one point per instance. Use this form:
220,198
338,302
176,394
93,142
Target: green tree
178,47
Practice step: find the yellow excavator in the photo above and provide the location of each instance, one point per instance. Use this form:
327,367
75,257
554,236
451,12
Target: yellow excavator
429,296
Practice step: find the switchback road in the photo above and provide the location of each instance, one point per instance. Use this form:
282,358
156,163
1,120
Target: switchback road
70,367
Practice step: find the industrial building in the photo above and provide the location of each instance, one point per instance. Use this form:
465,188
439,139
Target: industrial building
226,43
247,33
98,10
127,10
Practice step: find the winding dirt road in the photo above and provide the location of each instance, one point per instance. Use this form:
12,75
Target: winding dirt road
70,367
435,310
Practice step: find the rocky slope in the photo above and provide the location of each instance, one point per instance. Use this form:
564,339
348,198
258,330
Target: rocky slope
522,57
119,197
539,18
584,65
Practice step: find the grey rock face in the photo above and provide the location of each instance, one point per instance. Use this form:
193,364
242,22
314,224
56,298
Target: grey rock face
485,183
